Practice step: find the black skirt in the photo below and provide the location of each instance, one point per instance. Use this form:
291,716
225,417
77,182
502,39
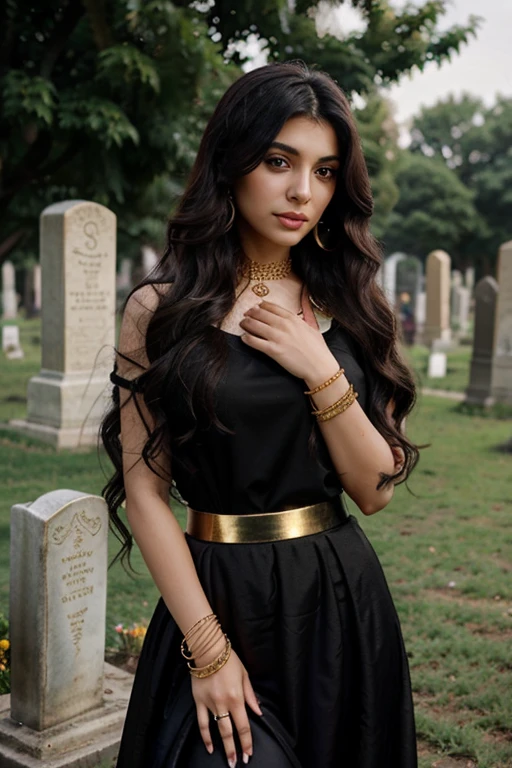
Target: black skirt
313,622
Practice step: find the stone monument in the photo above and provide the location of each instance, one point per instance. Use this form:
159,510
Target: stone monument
67,399
11,342
9,296
437,325
479,389
61,705
389,276
501,385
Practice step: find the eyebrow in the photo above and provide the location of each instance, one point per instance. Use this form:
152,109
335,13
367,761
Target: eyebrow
293,151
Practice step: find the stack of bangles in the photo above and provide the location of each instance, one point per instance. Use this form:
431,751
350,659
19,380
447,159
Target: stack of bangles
203,636
346,400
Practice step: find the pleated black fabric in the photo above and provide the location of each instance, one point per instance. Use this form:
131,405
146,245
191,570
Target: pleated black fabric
311,618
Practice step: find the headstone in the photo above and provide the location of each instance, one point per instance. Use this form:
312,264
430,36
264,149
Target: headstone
420,315
486,296
437,365
9,296
437,324
469,279
58,606
149,259
37,289
502,362
389,276
464,300
11,342
60,705
66,401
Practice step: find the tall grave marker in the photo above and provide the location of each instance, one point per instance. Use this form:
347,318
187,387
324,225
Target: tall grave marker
9,297
66,400
60,704
502,361
437,326
479,389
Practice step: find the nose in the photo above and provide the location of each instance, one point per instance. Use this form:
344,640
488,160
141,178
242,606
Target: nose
300,188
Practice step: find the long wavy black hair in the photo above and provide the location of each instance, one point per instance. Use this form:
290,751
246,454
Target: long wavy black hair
200,270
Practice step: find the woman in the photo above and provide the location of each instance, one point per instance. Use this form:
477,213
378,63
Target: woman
258,378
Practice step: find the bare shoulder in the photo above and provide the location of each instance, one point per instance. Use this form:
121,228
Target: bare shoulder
137,315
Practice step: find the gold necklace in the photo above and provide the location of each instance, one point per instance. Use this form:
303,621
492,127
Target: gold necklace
276,270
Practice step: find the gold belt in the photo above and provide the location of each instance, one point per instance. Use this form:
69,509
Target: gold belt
266,526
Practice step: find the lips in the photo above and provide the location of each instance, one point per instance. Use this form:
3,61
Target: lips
291,220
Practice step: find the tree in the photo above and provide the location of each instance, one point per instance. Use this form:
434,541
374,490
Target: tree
476,142
435,210
101,99
379,136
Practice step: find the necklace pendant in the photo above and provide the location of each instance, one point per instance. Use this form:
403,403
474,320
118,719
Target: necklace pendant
260,289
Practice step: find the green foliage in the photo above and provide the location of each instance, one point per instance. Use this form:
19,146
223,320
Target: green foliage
101,101
476,142
379,137
435,209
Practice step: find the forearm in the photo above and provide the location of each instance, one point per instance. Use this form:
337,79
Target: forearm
164,549
357,449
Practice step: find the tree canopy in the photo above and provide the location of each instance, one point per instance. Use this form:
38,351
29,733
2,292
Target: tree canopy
474,141
107,99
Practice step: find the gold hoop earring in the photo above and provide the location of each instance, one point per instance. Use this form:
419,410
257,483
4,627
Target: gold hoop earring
318,241
233,214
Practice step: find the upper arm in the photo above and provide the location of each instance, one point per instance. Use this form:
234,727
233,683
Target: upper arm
137,423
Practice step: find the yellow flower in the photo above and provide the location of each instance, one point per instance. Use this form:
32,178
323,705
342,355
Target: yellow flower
4,645
2,667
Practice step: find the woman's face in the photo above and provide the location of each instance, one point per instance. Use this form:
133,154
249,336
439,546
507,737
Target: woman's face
286,194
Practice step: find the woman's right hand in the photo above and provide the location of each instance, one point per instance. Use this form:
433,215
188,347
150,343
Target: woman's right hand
227,690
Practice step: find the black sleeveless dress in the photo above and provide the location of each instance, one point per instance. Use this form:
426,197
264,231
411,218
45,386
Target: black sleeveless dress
311,618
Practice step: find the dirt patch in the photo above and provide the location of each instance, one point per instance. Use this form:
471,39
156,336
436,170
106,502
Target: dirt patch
454,762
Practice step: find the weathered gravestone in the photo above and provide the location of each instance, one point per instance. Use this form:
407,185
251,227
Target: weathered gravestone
479,389
389,276
501,385
9,296
11,342
67,399
437,326
60,703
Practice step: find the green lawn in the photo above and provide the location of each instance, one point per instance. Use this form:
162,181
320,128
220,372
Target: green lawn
446,551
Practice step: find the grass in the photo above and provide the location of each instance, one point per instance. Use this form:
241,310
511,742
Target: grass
457,368
446,551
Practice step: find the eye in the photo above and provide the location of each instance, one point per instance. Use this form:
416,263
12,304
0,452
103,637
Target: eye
276,162
327,172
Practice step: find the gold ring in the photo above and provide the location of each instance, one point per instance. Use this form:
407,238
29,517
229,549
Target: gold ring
219,717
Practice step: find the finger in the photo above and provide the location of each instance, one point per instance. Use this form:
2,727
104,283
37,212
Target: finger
226,733
276,309
257,327
250,696
241,723
203,719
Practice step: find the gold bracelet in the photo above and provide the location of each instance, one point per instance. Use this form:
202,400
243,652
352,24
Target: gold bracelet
338,373
214,666
194,630
340,409
210,632
342,399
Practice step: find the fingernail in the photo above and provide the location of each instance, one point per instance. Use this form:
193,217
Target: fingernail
209,749
232,762
245,758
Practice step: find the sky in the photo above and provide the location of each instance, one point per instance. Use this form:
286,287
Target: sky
483,68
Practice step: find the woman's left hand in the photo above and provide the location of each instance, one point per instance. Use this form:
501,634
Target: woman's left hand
289,340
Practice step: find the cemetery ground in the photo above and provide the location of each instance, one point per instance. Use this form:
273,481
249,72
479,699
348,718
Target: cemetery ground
446,552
